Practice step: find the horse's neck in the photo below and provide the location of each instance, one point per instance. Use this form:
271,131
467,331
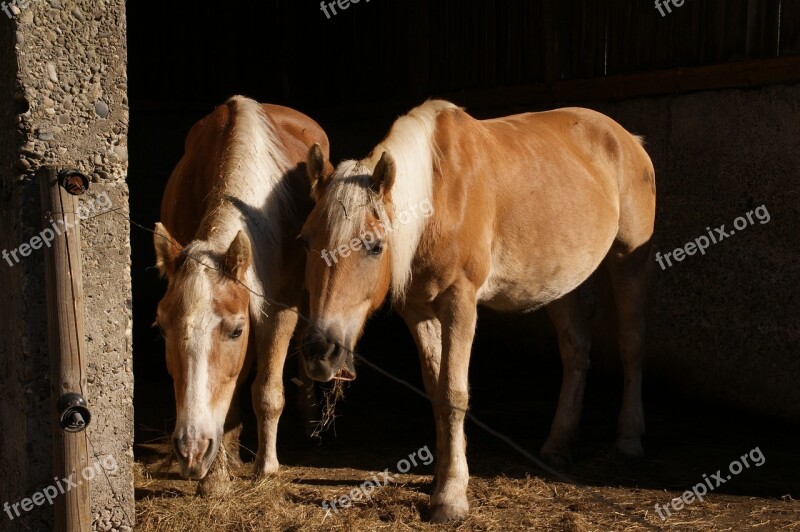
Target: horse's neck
220,226
267,219
256,206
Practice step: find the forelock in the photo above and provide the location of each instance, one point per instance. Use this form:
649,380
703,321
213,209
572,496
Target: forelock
197,266
346,201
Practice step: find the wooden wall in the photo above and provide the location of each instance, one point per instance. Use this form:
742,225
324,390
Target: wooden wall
289,51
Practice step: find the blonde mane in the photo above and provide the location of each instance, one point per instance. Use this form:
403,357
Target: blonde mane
411,143
250,173
252,194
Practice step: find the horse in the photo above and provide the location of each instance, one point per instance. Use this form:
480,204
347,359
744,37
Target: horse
226,243
524,209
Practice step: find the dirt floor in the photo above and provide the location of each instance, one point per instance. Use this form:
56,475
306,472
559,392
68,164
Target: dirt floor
507,491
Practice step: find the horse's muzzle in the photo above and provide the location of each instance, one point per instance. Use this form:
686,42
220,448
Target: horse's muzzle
325,360
195,454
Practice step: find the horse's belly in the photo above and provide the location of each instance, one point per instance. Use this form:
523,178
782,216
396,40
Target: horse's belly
524,284
511,295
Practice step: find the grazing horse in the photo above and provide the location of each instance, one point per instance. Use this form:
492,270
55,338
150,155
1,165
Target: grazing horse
524,209
230,216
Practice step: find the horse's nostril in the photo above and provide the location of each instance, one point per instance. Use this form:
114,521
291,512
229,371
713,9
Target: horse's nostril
178,448
209,448
318,349
330,348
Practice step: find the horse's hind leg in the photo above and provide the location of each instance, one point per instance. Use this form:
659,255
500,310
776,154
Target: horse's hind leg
629,272
574,345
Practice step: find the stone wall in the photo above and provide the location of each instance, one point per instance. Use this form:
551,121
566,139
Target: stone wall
64,103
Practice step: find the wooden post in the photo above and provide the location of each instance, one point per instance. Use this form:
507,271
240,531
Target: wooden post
64,289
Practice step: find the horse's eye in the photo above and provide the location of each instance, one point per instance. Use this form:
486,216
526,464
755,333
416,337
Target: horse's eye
236,334
376,248
305,243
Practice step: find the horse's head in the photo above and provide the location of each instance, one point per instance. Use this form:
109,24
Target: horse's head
205,321
348,271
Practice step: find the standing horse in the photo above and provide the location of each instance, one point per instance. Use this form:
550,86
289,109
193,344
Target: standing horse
525,208
230,215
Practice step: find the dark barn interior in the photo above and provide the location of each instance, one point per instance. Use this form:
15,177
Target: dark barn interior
356,71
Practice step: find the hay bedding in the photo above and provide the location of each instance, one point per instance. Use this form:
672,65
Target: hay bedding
516,500
292,501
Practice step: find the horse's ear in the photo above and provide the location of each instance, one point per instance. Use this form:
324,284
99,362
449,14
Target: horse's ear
239,256
384,174
319,169
167,250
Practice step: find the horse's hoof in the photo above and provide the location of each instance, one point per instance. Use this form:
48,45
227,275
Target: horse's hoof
213,488
557,459
266,470
629,451
448,514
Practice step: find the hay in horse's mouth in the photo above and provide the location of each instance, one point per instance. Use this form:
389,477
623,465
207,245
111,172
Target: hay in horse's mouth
330,397
344,375
332,394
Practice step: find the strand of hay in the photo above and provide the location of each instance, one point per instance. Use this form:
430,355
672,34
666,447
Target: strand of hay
330,396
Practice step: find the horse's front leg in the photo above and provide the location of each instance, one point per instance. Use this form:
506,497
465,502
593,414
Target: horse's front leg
268,398
458,317
426,329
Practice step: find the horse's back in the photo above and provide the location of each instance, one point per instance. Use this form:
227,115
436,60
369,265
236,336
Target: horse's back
297,131
185,197
591,137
